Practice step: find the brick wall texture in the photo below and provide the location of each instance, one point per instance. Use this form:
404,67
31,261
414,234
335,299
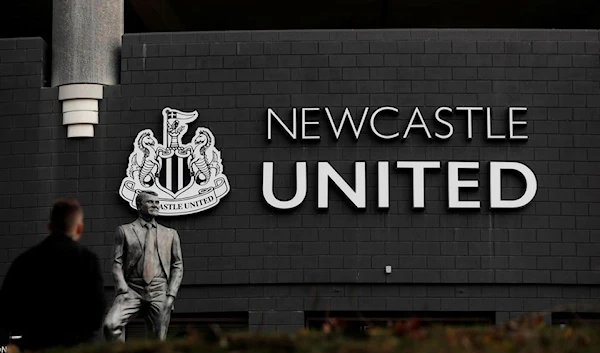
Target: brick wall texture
246,256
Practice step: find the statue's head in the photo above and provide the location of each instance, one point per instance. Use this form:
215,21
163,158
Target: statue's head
147,204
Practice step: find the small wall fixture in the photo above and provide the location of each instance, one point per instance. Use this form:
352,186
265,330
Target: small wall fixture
80,108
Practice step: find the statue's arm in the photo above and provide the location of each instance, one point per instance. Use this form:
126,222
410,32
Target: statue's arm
176,266
118,274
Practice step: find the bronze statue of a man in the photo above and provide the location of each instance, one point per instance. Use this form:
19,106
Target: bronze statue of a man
148,269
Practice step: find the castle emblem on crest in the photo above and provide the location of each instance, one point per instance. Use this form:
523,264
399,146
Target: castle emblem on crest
188,177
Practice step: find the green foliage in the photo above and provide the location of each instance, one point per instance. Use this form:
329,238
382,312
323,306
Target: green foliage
523,336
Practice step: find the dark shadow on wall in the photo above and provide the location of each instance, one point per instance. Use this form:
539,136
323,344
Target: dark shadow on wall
30,18
188,15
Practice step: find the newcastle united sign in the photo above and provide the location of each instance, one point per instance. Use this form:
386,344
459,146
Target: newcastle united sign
188,177
305,125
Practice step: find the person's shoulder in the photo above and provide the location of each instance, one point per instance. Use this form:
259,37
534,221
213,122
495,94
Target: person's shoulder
26,256
84,249
87,255
26,259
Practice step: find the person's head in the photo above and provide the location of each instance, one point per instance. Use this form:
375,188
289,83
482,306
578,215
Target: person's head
147,204
66,217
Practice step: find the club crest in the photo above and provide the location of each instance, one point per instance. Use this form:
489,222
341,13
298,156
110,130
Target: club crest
188,177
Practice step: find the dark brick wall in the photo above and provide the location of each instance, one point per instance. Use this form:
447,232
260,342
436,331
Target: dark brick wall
243,255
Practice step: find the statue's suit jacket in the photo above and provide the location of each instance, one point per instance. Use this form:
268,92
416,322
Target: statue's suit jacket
128,251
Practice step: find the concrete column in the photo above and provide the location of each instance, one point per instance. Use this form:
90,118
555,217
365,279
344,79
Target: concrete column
86,49
86,41
80,108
